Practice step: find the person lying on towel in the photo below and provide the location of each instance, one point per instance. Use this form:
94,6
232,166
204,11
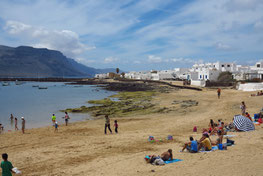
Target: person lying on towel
167,155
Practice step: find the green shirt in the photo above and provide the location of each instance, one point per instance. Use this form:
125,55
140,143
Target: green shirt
53,117
6,168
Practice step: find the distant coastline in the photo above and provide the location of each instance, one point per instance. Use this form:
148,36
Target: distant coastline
114,85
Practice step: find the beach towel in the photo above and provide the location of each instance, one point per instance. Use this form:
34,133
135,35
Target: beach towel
213,149
243,123
172,161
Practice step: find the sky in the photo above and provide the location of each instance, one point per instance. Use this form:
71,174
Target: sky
138,35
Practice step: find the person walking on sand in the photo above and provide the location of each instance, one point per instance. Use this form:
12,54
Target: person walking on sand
23,124
218,93
6,166
107,124
16,124
53,119
243,108
116,126
66,118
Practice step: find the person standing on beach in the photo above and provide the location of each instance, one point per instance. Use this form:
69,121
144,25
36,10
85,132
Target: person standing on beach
107,124
23,124
6,166
116,126
53,119
66,118
243,108
11,117
218,93
16,124
1,128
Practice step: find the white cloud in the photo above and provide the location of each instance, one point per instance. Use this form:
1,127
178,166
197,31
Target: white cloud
66,41
187,60
14,27
222,46
84,61
110,60
154,59
137,62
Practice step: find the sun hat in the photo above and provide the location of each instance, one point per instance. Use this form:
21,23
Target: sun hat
22,117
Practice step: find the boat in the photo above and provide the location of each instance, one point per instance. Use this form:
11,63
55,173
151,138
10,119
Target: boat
5,84
18,82
35,85
42,87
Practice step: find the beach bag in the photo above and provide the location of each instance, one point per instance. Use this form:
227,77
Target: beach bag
151,138
169,137
230,142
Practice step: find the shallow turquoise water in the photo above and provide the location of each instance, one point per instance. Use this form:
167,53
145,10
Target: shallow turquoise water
38,105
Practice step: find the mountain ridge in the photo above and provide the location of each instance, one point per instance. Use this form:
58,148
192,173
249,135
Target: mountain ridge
26,61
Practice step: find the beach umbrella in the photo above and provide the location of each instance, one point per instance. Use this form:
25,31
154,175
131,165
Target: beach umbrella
243,123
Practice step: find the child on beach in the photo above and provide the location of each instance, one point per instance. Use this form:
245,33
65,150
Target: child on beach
116,126
53,119
6,166
23,124
56,126
16,124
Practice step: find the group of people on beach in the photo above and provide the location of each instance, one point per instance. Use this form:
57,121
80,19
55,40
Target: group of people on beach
260,93
205,143
55,123
12,119
107,125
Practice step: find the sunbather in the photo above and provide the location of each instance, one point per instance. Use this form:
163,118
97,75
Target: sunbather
219,140
191,146
167,155
205,143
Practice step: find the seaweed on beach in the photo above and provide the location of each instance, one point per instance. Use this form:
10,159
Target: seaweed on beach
127,103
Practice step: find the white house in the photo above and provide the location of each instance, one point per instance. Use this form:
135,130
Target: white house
101,76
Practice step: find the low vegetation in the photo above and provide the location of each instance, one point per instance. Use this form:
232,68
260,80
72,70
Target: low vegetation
125,103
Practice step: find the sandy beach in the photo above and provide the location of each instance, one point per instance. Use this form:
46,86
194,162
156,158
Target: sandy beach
82,148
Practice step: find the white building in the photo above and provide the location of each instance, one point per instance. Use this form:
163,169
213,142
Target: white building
102,75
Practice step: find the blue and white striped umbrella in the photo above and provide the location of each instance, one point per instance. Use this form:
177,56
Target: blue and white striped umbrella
243,123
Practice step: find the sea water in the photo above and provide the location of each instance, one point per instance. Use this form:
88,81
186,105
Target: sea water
37,105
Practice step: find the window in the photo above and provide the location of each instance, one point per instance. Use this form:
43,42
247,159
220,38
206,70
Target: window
228,65
258,65
205,76
200,76
222,65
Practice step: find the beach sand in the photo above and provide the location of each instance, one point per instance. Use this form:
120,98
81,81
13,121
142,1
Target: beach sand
82,148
